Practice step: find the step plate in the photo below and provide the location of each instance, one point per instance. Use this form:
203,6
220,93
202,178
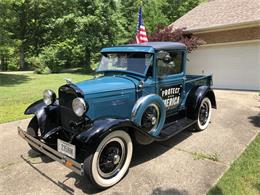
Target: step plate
176,127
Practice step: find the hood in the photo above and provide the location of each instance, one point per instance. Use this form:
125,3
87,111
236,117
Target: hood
105,84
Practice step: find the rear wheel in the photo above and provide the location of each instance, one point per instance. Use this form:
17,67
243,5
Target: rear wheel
111,160
204,114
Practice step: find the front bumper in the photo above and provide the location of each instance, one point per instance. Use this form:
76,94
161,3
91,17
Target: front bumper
53,154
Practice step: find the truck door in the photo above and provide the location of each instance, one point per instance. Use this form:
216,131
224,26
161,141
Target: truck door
170,78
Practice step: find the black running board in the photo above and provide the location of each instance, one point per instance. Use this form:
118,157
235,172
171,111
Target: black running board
174,128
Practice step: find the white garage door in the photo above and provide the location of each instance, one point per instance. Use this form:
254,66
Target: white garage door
234,66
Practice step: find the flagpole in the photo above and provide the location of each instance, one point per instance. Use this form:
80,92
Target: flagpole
141,36
140,3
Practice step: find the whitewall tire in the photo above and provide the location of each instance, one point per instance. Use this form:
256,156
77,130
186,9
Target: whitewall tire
111,160
204,114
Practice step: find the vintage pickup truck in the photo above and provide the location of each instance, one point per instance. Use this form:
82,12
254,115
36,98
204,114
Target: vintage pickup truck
142,94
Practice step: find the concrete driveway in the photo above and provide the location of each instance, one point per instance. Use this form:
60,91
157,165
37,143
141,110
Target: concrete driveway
189,163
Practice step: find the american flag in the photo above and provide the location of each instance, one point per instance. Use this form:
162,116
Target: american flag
141,36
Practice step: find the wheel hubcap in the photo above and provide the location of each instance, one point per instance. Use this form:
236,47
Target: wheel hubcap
154,120
116,159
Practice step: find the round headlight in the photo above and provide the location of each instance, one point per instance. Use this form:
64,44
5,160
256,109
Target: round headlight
79,106
49,96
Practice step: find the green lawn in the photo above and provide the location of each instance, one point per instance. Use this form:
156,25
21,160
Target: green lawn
17,91
243,177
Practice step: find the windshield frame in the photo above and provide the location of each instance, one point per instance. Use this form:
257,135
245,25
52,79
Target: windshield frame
127,71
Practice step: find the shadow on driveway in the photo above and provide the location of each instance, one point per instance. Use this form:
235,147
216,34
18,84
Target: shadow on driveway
255,120
59,184
170,191
141,154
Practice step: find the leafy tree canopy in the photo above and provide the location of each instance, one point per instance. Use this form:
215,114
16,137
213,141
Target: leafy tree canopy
49,35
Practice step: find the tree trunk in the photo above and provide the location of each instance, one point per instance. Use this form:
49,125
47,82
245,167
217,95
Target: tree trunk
3,66
88,61
23,22
22,58
1,63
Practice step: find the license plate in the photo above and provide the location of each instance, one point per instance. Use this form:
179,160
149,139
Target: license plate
66,148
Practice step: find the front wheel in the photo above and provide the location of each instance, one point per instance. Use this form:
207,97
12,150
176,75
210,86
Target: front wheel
204,114
111,160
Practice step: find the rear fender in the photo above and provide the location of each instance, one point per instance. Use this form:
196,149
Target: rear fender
194,99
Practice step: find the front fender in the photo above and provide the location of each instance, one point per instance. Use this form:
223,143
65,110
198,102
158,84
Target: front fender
142,104
47,116
34,107
91,137
195,97
100,128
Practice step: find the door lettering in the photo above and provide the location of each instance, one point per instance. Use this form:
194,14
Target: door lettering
171,96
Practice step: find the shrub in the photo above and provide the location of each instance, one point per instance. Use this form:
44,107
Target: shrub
178,35
13,64
51,59
38,65
44,70
62,55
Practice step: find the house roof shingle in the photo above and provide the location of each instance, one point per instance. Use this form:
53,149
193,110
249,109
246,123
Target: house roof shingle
219,14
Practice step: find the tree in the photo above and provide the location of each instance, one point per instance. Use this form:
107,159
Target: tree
178,35
87,27
70,33
129,12
6,43
20,27
153,15
97,26
177,8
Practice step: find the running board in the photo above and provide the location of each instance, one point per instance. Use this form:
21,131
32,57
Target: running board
174,128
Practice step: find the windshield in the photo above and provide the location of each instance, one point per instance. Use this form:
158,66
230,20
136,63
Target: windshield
129,61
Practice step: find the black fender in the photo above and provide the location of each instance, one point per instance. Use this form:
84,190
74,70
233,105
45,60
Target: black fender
91,137
195,97
100,128
47,115
34,107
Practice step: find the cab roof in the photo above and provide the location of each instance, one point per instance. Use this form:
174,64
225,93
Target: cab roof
148,47
162,45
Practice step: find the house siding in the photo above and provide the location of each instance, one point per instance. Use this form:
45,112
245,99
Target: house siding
235,35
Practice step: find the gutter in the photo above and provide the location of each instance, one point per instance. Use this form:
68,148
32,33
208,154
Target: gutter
223,27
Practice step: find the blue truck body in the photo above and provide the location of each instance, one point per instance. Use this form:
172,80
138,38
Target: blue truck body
114,96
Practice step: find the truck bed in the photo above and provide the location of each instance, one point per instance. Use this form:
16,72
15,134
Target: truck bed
197,80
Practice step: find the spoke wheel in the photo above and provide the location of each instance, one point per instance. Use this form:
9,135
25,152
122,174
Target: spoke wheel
150,118
111,160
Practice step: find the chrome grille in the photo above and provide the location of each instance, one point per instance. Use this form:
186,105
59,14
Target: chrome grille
67,115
